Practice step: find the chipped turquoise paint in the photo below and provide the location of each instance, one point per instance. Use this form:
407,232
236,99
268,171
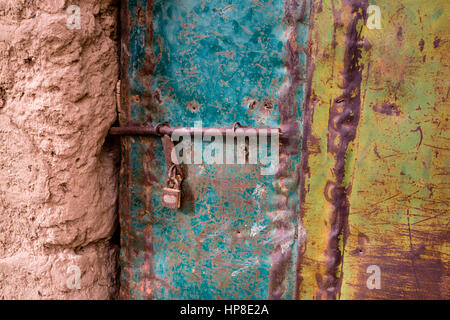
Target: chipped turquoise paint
215,55
213,58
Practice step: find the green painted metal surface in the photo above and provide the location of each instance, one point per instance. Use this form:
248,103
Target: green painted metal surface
376,153
219,62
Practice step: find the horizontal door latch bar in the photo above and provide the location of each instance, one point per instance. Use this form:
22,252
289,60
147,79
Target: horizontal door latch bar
165,129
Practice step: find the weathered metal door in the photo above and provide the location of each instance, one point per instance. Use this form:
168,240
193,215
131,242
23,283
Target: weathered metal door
218,62
357,206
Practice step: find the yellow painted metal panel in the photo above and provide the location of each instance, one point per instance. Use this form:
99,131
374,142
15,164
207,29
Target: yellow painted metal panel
376,155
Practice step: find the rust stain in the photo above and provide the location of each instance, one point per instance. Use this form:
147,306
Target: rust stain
287,105
421,45
308,114
344,117
124,191
388,109
130,97
436,42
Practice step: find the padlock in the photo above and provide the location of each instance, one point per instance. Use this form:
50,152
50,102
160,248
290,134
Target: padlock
171,197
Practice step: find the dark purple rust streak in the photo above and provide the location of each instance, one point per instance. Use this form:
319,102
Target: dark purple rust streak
388,109
125,189
280,259
308,111
342,126
147,70
145,76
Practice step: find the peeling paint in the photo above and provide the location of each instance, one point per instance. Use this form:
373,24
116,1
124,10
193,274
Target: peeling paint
235,235
372,102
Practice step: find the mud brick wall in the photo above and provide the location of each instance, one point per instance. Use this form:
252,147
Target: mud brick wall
58,169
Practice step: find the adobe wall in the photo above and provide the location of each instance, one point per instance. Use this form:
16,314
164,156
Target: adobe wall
58,176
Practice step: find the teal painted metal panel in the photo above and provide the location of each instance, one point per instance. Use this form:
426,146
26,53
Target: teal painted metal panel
219,62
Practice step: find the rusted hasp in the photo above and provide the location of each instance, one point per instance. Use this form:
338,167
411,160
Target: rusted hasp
167,130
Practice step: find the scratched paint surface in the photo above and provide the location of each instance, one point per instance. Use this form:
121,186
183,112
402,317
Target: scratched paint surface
218,62
373,182
375,152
